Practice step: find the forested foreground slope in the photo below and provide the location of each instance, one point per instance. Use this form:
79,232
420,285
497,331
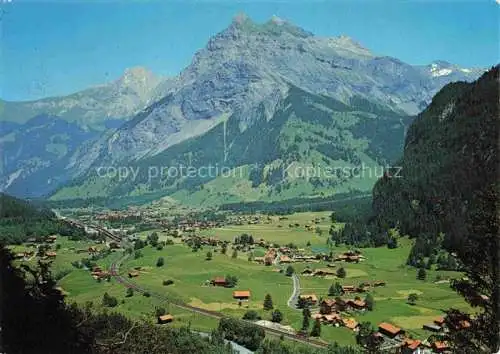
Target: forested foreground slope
447,195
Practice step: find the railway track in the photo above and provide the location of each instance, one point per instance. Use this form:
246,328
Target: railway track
115,273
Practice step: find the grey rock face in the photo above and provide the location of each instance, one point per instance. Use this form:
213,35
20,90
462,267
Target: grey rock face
119,99
248,65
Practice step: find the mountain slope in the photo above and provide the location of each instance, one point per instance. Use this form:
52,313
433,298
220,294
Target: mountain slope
35,154
244,72
270,159
38,138
450,159
119,99
249,66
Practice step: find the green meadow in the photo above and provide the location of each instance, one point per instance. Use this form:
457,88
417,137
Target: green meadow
191,271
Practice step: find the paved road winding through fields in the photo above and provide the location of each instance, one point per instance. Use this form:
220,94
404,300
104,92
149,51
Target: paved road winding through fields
115,269
292,301
115,273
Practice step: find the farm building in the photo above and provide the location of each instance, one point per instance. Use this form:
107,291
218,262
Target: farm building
51,238
327,306
333,318
285,259
389,330
165,319
411,346
440,347
133,274
379,283
259,260
312,298
350,323
432,327
323,272
357,304
307,271
348,289
241,294
218,281
51,254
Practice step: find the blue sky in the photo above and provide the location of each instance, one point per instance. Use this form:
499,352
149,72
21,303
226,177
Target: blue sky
59,47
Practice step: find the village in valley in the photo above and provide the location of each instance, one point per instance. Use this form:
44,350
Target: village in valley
281,272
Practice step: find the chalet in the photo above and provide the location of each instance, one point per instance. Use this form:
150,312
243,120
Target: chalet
350,323
28,254
133,274
51,238
19,255
100,275
332,318
317,316
432,327
285,259
323,273
61,290
327,306
270,256
97,269
165,319
389,330
51,254
357,304
340,257
241,294
312,298
348,289
462,325
353,258
440,347
218,281
259,260
411,346
363,287
484,297
340,304
439,321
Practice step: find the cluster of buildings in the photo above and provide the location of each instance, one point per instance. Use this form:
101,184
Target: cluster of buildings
98,273
349,256
438,325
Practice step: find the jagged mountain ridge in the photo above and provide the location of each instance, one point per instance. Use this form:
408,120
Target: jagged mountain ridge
244,72
250,63
119,99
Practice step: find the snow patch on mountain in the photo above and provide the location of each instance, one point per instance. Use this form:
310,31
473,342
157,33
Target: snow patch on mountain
437,71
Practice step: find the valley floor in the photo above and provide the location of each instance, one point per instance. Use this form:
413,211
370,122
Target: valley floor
191,273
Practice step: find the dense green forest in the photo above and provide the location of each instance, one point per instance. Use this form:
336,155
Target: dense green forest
21,220
447,199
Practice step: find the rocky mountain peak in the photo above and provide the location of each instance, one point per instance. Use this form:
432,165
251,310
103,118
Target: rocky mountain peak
240,18
137,76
